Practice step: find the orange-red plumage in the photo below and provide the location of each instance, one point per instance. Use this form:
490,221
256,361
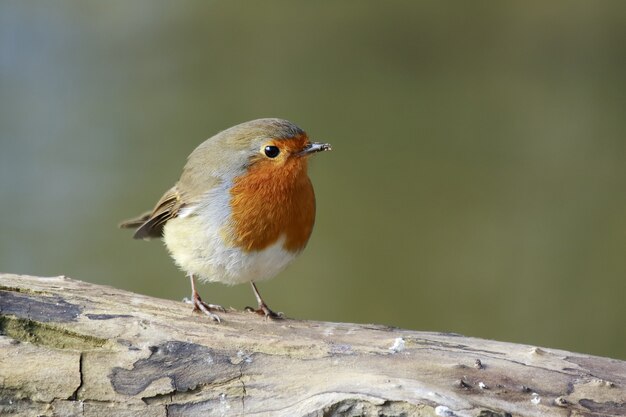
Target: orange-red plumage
274,199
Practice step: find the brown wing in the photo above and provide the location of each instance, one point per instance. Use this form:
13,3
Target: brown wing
151,224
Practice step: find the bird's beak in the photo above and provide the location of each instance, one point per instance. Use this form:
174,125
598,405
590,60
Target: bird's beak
313,147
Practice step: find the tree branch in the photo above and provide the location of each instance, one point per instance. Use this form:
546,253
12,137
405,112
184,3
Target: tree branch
70,348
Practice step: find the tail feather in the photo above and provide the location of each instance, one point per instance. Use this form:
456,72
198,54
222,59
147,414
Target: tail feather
150,224
136,222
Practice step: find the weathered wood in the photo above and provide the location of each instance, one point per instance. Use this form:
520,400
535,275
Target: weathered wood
70,348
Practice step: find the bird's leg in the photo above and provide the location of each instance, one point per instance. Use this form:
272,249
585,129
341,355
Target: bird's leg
199,305
263,309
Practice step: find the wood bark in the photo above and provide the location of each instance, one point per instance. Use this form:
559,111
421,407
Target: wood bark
69,348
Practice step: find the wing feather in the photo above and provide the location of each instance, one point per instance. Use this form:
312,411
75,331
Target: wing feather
151,224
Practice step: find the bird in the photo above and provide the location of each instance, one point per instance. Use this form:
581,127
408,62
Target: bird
242,210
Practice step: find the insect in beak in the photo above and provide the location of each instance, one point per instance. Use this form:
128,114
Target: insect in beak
313,147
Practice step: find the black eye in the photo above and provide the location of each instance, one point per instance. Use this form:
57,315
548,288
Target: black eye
272,151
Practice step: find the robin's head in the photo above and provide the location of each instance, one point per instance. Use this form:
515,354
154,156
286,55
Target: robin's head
270,146
278,147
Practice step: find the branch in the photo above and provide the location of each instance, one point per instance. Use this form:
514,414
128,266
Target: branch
70,348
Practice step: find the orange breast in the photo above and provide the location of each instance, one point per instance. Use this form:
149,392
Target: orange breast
273,200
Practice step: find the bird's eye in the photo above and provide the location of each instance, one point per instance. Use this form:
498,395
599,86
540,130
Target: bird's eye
271,151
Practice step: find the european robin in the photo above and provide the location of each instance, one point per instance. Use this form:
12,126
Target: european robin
242,210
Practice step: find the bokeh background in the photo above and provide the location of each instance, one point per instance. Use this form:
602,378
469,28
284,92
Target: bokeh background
477,183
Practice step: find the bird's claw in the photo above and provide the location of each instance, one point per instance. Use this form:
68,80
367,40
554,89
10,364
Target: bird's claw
201,306
265,311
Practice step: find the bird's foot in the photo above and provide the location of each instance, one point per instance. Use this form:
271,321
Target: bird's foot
265,311
201,306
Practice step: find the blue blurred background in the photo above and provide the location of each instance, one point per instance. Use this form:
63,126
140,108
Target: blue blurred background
477,183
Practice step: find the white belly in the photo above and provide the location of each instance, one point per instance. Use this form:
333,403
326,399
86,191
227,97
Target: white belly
198,244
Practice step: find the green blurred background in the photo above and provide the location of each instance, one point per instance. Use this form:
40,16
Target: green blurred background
477,183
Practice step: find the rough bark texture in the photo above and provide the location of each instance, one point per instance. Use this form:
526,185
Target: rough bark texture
70,348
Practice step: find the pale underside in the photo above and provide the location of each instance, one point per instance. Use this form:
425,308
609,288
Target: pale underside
200,241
